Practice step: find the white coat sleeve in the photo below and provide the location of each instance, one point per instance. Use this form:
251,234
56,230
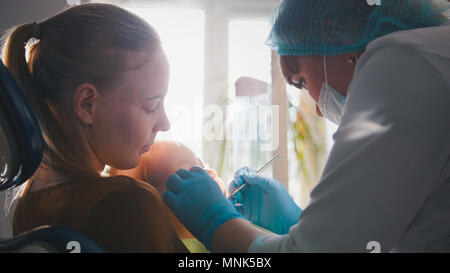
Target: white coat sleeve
389,151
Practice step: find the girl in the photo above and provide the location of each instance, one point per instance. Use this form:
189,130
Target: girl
96,76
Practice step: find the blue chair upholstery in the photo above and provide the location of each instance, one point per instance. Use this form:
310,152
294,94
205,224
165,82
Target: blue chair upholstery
47,239
23,131
21,151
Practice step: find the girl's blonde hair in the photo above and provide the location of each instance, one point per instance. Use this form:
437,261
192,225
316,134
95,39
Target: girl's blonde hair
83,44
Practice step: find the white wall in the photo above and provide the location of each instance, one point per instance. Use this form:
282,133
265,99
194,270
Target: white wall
16,12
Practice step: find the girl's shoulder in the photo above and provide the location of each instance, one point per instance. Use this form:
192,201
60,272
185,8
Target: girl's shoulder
125,183
130,217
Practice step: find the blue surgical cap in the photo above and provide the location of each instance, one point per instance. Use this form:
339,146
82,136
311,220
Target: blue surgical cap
335,27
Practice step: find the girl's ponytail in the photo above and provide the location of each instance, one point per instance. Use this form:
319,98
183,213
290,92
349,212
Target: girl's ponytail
14,55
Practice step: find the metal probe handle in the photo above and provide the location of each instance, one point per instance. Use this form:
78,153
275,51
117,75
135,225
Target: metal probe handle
258,171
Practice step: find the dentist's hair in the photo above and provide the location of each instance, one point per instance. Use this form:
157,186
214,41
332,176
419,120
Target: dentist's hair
83,44
338,27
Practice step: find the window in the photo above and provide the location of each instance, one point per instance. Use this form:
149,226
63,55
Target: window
309,142
251,116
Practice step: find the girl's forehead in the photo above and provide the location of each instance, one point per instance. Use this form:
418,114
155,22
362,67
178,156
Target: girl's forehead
148,77
139,58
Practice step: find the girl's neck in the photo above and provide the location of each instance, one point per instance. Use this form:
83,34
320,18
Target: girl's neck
45,177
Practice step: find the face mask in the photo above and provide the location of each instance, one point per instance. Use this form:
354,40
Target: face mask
331,101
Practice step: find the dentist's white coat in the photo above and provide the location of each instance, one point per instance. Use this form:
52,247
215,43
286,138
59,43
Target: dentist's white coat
387,178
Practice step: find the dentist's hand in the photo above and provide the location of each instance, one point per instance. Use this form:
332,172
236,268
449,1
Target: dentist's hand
198,202
264,201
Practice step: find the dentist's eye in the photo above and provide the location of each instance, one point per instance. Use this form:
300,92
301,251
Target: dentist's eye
301,84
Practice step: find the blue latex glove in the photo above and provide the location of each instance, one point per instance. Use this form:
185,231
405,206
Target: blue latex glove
264,201
198,202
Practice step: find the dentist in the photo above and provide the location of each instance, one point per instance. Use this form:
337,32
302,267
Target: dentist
382,73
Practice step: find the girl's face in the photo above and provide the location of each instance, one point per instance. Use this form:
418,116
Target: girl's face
126,122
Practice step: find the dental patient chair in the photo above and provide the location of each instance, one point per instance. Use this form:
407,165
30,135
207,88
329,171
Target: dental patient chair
21,151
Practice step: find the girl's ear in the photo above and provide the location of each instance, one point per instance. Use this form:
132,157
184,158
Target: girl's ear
85,102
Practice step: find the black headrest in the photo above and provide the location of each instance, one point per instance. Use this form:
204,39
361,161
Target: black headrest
50,239
20,130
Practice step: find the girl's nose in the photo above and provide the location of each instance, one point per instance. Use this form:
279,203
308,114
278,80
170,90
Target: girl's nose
164,124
